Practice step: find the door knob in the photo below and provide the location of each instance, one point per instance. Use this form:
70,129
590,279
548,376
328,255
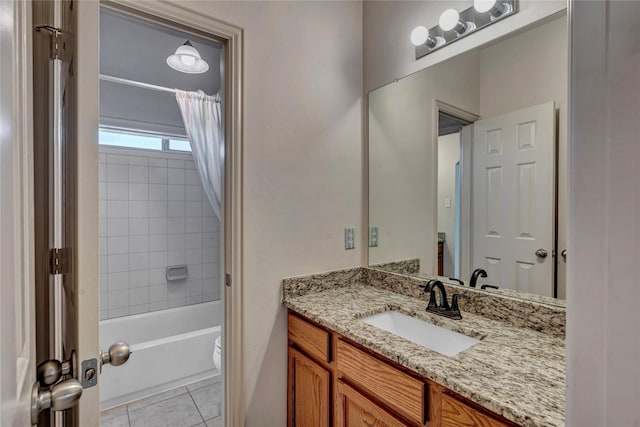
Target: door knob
117,354
50,371
564,254
61,396
541,253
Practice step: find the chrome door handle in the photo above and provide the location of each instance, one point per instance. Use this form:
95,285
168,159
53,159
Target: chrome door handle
117,354
541,253
61,396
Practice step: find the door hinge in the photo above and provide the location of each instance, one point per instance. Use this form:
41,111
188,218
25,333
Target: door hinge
56,50
227,279
59,258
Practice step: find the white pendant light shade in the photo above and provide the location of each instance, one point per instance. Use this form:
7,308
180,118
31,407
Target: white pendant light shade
187,60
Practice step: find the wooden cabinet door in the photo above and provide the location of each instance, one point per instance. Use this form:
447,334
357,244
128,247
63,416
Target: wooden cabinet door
309,400
356,410
457,414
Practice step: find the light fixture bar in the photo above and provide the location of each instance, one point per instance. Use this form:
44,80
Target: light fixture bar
480,20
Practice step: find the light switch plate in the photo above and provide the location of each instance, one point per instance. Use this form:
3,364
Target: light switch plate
373,236
447,202
349,238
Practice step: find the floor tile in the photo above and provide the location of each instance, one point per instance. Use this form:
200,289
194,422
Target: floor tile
204,383
176,411
208,400
156,398
113,412
117,421
216,422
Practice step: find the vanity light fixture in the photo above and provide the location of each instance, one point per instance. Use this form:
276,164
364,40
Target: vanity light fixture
495,8
450,20
454,25
187,60
420,36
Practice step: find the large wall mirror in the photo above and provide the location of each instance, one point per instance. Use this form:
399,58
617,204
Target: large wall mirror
467,166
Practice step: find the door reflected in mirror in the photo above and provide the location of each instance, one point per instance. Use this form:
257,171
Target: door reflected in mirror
467,166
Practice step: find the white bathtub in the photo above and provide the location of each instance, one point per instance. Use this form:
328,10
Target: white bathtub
170,348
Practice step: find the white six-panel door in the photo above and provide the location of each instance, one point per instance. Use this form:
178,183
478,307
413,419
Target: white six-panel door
513,205
17,312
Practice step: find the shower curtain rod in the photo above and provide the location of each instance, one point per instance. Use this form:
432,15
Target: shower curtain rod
134,83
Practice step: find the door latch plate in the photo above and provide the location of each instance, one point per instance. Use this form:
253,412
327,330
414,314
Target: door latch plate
89,374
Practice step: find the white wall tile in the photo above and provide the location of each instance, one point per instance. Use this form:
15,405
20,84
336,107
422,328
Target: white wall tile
138,209
176,192
158,191
158,242
158,175
157,225
178,257
118,263
192,178
171,163
139,174
158,259
138,296
154,161
117,245
118,209
175,176
138,191
139,278
117,172
176,225
138,226
118,227
175,209
149,219
138,244
118,281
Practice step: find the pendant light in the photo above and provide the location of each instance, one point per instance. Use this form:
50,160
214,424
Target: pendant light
187,60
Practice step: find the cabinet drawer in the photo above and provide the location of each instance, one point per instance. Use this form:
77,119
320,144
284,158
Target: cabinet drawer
400,391
309,337
458,414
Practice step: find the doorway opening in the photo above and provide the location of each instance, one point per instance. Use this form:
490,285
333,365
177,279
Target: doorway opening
161,220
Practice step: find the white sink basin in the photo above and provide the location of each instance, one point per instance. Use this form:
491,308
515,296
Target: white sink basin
422,333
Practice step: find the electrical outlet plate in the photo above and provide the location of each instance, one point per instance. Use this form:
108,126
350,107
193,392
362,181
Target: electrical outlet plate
373,236
349,238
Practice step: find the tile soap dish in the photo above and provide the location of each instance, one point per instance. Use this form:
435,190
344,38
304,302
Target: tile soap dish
176,272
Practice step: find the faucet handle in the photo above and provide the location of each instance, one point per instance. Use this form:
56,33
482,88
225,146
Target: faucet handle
488,286
454,301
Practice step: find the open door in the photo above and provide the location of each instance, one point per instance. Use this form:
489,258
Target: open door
514,198
17,311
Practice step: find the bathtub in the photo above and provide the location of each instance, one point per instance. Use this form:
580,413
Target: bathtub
170,348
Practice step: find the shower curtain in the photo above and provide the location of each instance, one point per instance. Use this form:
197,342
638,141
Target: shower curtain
202,118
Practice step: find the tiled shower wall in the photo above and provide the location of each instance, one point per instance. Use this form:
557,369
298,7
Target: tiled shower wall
154,214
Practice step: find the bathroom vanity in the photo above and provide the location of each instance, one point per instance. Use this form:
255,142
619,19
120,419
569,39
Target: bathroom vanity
343,371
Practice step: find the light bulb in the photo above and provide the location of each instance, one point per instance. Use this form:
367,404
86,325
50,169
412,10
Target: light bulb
187,59
449,19
483,6
419,36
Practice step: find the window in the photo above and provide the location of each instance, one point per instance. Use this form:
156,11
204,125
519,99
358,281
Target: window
118,138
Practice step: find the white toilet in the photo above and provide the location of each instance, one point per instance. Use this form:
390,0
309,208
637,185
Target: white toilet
217,354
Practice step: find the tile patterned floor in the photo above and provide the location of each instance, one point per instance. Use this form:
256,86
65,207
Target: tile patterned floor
194,405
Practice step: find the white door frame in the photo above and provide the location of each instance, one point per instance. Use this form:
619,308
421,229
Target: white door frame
233,89
465,182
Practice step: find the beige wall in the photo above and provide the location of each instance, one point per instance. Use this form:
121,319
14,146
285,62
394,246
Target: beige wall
511,79
302,162
388,53
402,199
603,375
448,156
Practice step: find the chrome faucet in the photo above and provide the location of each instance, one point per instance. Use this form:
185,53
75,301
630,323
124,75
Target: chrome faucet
474,276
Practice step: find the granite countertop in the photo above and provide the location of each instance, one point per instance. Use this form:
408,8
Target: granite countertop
516,372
